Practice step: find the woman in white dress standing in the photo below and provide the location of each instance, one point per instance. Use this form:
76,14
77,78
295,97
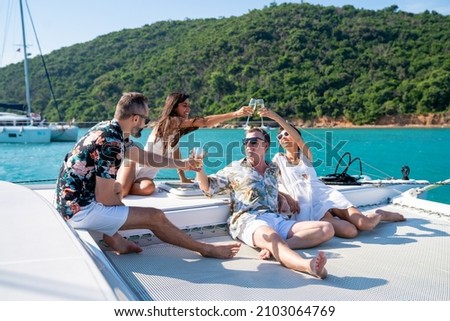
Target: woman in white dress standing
316,200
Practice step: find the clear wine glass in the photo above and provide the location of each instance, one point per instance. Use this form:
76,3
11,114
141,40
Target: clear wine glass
259,105
252,103
197,153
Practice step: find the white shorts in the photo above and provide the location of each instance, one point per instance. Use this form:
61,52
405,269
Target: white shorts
280,223
105,219
145,172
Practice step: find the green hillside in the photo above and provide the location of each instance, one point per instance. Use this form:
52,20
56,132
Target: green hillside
306,61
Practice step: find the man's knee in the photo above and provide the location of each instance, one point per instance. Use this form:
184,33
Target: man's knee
154,217
263,236
327,230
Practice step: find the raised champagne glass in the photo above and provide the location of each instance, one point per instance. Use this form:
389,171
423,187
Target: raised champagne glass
252,104
259,105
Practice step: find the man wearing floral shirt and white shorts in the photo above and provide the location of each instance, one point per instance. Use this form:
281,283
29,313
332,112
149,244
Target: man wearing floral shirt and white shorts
89,197
255,219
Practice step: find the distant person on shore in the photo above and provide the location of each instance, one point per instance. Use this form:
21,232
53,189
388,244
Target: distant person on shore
255,218
164,140
316,200
89,197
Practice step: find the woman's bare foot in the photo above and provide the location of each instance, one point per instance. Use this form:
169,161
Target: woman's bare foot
390,216
372,220
264,254
121,245
317,266
224,251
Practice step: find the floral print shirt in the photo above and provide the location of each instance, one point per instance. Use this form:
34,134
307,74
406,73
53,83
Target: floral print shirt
251,193
98,153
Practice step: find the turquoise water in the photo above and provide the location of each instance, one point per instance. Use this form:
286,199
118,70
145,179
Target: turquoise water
383,152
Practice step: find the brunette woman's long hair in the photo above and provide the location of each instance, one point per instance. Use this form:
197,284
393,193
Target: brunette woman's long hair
165,127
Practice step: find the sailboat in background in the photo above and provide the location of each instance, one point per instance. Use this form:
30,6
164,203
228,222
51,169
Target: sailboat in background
63,132
16,128
31,128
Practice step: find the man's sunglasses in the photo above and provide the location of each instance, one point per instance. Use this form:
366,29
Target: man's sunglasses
280,135
253,141
146,119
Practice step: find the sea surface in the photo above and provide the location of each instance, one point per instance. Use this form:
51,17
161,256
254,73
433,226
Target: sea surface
383,152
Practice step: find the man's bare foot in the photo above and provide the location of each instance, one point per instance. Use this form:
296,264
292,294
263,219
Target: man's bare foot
121,245
223,251
317,266
390,216
264,254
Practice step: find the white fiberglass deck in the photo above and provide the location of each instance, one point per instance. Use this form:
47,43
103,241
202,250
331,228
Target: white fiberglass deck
396,261
40,257
408,261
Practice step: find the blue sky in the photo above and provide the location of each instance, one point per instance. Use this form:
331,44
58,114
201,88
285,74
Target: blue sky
61,23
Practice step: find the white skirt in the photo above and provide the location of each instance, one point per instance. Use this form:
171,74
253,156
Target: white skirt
319,199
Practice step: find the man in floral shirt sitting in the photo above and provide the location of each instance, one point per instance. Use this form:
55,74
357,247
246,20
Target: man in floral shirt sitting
255,219
89,197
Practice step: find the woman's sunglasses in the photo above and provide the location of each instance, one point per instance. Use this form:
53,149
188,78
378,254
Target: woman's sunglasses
253,141
280,135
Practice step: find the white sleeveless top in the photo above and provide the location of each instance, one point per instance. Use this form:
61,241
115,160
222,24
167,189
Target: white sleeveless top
155,146
301,182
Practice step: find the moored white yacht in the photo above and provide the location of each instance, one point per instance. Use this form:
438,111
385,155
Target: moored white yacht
31,128
15,128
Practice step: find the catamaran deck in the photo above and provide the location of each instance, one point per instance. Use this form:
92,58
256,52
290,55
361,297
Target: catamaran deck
406,261
397,261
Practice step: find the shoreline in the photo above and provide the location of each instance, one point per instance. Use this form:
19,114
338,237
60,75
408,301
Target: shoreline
346,126
321,126
437,120
430,120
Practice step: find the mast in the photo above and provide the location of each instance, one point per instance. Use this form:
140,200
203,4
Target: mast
25,60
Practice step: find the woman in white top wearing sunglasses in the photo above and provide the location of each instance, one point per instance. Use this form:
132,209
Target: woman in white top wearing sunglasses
316,200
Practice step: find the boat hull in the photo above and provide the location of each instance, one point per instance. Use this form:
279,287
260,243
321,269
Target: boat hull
63,133
379,192
24,134
41,256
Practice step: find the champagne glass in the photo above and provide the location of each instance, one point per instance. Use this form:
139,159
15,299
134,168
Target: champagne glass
252,104
197,153
259,105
